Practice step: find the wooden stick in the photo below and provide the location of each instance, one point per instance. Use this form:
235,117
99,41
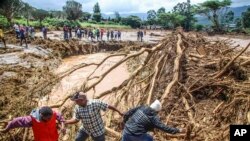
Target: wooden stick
154,79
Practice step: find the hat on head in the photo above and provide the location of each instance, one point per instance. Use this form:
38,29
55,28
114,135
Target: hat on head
156,105
77,96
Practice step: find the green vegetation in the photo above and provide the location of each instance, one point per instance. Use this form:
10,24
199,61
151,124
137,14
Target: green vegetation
73,10
246,18
211,9
16,11
104,25
54,23
97,13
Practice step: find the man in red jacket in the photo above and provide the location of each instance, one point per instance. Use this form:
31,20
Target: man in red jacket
43,123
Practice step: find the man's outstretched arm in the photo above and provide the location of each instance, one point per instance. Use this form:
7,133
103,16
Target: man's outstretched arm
159,125
18,122
115,109
71,121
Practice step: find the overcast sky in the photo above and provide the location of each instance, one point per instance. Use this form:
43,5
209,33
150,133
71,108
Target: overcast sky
122,6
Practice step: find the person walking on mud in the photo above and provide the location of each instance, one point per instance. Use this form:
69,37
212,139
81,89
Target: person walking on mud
138,121
119,35
2,35
22,37
32,33
43,123
89,112
44,31
138,35
70,32
102,33
16,28
112,34
141,36
97,34
65,32
108,34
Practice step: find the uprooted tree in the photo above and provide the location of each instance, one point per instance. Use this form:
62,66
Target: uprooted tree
202,84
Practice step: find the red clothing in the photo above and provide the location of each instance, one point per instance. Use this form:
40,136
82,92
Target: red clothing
45,131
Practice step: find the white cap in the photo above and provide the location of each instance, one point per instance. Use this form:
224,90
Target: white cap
156,105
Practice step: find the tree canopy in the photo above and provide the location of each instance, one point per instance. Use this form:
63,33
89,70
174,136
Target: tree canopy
246,18
97,13
133,21
73,10
211,9
151,17
9,8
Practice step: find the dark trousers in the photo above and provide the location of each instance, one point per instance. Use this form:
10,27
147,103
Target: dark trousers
17,34
21,42
82,136
143,137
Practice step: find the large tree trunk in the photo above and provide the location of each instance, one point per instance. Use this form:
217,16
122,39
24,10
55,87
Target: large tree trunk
216,22
9,19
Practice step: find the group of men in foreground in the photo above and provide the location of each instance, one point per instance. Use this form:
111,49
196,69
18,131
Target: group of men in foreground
138,121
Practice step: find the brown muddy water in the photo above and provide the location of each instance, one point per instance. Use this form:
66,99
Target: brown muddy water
77,78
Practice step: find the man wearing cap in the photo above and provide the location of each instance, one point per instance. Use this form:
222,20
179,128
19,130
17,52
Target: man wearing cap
89,112
138,121
43,123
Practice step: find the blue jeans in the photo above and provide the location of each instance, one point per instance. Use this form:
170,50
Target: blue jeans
82,136
143,137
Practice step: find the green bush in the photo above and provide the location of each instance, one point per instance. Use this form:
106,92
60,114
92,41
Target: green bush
111,22
101,23
59,22
198,27
92,22
4,22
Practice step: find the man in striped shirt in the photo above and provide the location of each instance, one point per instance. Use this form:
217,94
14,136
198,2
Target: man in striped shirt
89,112
140,120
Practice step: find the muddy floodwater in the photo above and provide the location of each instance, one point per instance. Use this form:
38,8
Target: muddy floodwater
77,78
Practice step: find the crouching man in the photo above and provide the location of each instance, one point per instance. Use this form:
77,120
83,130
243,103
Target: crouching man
138,121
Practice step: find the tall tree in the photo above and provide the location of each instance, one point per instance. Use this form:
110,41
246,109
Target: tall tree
97,13
184,9
9,8
229,17
133,21
151,17
117,17
171,20
73,10
40,14
245,18
211,9
161,10
27,11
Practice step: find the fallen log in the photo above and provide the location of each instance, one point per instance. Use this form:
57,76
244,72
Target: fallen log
176,69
